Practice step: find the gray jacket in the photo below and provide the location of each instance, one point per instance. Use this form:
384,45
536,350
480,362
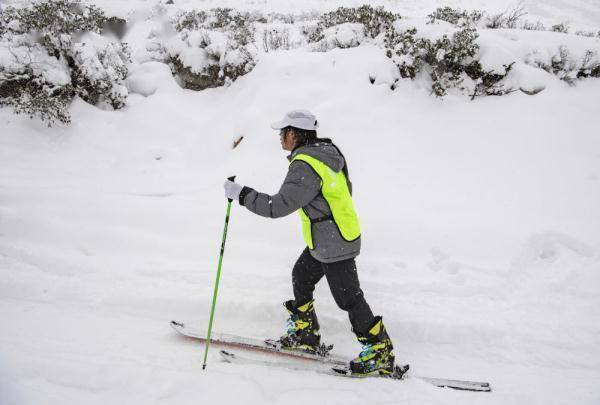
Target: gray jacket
302,189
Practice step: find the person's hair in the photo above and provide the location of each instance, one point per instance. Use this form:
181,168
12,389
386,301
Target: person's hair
304,135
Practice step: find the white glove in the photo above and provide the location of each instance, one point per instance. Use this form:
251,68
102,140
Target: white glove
232,190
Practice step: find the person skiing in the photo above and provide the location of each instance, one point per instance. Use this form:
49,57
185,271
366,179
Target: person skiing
318,186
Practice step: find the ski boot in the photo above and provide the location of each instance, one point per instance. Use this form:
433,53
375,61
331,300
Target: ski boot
377,356
303,328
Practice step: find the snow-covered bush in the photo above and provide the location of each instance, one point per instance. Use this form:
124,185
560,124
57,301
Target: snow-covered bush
533,26
212,48
507,19
562,28
406,50
346,35
450,58
488,83
454,16
275,38
447,62
99,69
277,35
52,51
286,18
590,65
224,19
374,21
589,34
464,19
278,17
32,82
52,17
565,66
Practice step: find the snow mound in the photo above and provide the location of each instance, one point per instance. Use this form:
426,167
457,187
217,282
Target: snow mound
558,262
147,78
345,35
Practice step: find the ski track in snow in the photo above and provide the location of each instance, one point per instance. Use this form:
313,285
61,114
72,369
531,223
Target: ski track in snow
483,255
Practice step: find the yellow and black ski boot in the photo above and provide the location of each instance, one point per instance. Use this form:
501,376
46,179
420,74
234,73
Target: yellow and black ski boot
377,356
303,328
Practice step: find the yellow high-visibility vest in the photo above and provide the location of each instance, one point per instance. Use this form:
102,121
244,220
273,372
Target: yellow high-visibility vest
334,188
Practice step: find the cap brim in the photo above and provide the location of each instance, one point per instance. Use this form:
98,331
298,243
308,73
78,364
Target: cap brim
278,125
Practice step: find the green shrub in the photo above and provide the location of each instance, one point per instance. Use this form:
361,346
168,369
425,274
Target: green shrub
562,28
51,18
590,65
374,20
449,58
465,19
56,53
567,68
27,94
275,38
225,61
239,24
530,26
447,61
457,17
406,50
507,19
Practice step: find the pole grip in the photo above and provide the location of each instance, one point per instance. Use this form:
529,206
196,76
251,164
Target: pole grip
230,178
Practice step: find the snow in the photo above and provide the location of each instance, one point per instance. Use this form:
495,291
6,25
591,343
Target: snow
342,36
195,58
276,34
499,48
97,56
148,77
12,59
481,244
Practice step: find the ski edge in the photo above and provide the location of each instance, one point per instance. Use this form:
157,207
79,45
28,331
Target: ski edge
252,344
461,385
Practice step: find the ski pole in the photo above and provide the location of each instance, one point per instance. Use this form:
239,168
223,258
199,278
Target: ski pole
216,289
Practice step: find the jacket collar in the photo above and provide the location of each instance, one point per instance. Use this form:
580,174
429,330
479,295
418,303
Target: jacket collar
313,142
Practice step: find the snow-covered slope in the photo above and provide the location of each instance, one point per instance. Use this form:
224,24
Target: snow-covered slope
480,228
577,13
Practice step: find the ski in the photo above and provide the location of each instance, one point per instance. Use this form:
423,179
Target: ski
331,363
399,374
268,346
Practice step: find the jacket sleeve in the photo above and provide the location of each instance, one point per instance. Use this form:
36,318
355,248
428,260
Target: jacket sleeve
301,186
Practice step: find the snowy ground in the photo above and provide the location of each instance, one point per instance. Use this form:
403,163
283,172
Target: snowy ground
480,228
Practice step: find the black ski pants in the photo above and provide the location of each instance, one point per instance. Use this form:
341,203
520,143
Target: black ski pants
343,282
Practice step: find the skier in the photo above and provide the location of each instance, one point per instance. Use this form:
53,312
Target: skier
317,185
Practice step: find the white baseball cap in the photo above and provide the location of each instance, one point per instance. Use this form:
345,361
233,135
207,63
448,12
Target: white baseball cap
302,119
